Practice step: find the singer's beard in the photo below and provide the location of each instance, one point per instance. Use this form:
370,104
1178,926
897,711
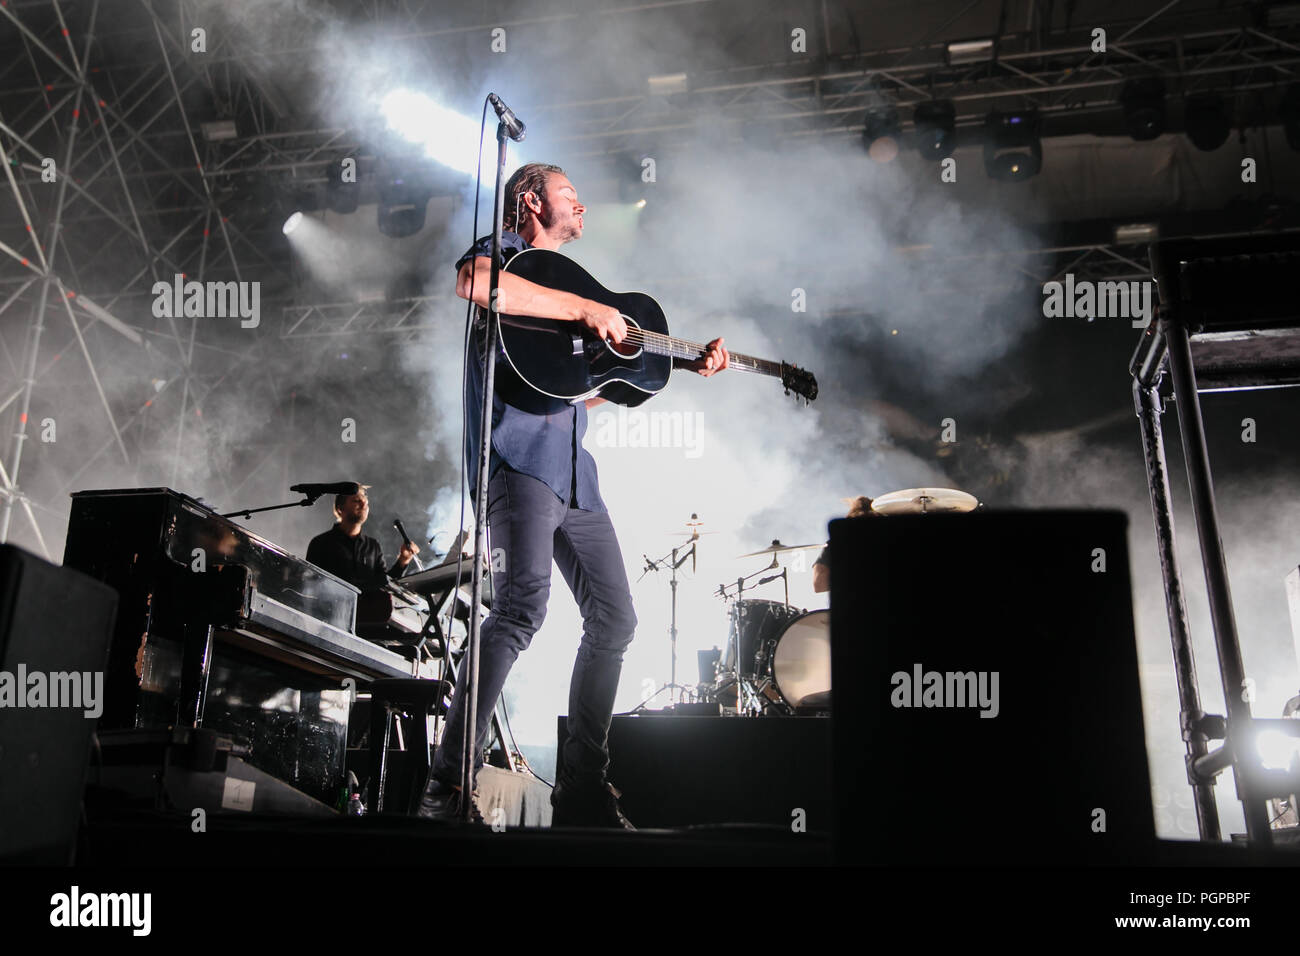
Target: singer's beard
548,218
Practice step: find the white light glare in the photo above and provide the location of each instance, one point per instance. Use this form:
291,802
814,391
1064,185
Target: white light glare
292,223
447,137
1276,749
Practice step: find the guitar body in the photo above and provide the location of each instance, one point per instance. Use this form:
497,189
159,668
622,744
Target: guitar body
552,364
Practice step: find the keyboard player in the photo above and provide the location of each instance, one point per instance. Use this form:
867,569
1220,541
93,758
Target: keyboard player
355,557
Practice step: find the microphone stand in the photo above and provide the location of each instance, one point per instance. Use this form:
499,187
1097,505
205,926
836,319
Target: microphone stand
247,513
491,335
744,694
672,564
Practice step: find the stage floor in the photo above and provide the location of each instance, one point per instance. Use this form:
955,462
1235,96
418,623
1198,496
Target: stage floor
148,839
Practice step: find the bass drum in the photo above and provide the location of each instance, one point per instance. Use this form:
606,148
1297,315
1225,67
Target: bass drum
758,623
798,663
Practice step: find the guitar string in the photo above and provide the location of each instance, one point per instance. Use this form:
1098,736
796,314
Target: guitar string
683,348
686,349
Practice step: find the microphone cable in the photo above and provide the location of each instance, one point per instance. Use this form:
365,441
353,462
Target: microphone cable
464,381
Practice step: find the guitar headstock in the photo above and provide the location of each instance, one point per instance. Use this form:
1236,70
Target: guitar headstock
800,381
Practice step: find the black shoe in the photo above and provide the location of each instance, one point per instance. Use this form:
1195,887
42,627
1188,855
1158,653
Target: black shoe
587,805
442,801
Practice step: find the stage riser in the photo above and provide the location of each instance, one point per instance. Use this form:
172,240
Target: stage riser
677,771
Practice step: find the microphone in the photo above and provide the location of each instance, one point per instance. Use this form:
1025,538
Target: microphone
406,539
397,523
333,488
772,578
514,126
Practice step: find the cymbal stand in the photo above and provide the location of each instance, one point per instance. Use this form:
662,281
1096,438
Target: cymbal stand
746,696
672,562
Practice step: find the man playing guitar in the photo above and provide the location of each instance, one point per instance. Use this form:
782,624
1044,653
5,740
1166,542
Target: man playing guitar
544,505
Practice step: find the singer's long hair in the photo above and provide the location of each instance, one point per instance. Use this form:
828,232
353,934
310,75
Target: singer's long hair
528,178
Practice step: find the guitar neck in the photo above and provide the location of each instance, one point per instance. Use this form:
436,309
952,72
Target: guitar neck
690,351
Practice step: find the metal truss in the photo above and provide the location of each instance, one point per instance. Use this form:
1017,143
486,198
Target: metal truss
833,98
401,318
125,203
1057,74
830,95
404,320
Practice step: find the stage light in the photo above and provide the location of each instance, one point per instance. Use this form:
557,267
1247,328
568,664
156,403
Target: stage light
640,204
1143,101
1276,750
1290,113
1205,117
1136,233
446,136
969,51
667,84
219,130
1281,15
1013,151
291,223
936,129
402,205
881,134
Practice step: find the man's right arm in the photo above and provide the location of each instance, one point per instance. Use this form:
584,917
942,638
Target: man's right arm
518,296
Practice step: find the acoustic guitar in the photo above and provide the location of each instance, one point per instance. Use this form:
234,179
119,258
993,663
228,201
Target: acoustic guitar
553,363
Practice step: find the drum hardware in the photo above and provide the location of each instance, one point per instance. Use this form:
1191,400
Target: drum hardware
751,622
672,562
785,581
708,663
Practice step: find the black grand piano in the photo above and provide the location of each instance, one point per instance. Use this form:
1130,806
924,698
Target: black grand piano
219,628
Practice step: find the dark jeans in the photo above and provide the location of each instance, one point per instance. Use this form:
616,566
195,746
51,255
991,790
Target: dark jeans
530,526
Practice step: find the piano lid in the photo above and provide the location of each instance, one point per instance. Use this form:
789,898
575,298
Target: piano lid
114,525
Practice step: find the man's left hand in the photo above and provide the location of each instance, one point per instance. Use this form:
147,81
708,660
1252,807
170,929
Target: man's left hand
713,360
407,553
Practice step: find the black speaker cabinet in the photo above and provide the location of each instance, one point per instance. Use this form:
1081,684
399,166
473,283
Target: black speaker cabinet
986,698
55,626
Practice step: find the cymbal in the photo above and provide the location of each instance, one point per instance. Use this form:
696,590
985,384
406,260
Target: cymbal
920,501
776,547
693,528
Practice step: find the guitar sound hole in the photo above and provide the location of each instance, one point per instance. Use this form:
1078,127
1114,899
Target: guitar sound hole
624,348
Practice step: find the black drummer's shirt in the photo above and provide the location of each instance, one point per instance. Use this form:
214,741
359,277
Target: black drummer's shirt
824,557
358,560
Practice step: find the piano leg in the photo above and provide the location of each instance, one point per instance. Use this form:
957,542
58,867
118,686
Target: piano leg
196,663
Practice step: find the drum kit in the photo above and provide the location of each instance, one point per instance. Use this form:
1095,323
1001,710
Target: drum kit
778,657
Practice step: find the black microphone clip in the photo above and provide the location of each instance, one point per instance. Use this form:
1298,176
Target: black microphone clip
513,124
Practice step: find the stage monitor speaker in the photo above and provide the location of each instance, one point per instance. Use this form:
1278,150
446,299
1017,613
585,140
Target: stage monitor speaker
55,627
986,704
